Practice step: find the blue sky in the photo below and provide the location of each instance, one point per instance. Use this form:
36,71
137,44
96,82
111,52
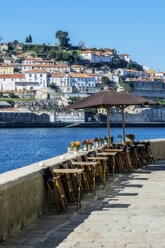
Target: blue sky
133,27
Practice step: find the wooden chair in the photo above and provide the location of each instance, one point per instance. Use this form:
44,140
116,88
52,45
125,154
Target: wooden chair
57,196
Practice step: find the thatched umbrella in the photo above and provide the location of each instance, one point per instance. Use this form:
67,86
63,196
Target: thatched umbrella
107,99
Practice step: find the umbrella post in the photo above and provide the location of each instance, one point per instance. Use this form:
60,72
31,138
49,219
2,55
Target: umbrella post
108,125
123,125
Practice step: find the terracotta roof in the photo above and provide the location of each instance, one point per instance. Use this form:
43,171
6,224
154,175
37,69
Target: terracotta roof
35,59
124,54
12,75
134,70
58,75
80,75
43,65
36,71
18,110
4,65
108,49
61,66
77,66
95,74
160,72
87,52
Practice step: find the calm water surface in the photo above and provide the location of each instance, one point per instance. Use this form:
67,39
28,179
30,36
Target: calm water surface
24,146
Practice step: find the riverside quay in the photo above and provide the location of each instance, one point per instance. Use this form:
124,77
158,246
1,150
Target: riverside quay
103,197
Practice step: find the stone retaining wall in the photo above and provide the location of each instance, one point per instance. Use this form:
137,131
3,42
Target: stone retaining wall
23,193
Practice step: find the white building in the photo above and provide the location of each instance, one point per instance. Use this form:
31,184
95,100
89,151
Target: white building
77,116
37,75
3,47
74,82
160,74
131,73
33,79
31,61
96,57
125,57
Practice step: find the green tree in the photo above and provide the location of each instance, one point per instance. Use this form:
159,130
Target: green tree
30,38
105,79
63,38
1,95
11,95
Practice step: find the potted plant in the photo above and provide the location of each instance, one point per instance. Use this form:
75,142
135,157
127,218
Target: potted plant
74,146
77,146
95,142
105,139
90,143
100,141
130,138
84,145
71,147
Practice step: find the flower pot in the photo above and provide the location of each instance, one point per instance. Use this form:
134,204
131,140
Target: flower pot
100,143
70,150
129,140
96,144
105,142
89,146
85,147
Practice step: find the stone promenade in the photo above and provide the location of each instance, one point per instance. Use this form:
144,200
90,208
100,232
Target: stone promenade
129,213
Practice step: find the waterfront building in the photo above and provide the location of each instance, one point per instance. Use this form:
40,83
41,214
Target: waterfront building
95,57
22,115
77,116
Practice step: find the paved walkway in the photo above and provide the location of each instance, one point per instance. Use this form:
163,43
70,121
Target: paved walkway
129,213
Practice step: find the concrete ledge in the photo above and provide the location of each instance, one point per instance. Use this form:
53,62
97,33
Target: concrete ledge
23,193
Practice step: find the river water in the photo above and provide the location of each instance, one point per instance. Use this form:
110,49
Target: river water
24,146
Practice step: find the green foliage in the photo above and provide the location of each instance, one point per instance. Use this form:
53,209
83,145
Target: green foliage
12,95
63,38
28,39
1,60
1,95
74,99
52,86
17,99
125,85
105,79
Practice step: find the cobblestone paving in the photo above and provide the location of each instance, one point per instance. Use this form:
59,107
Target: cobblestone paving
130,213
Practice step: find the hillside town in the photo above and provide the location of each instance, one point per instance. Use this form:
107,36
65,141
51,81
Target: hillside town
38,81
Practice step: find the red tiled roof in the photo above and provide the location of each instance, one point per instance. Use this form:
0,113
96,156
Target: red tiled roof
58,75
12,75
36,71
77,66
124,54
17,109
80,75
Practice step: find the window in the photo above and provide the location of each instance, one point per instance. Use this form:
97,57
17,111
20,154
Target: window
40,75
30,75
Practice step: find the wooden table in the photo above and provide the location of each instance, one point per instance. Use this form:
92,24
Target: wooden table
93,165
99,159
78,173
109,154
